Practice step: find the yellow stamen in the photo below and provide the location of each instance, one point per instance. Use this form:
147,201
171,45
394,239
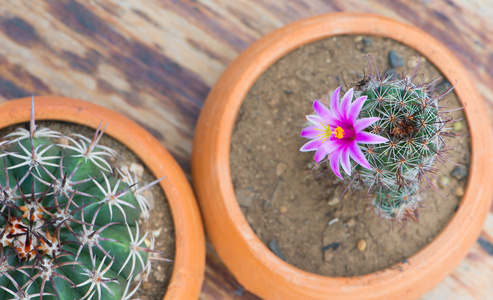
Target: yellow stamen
326,132
339,132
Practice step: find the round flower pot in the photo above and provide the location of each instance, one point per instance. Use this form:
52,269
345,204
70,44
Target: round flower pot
189,261
250,261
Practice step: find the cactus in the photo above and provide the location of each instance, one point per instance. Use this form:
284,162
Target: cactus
69,224
411,118
412,126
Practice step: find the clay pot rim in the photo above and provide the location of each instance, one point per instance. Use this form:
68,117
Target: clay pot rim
222,214
189,261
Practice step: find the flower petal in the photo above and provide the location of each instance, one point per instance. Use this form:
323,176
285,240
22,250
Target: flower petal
327,148
345,162
369,138
355,108
334,163
310,132
346,103
311,146
334,102
358,156
323,112
361,124
315,120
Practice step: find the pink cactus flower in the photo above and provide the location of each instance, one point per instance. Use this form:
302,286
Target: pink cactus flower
338,131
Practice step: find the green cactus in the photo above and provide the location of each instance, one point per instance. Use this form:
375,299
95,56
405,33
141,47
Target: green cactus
413,122
68,226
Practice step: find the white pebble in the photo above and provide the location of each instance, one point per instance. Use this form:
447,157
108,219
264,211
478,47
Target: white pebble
333,201
138,169
334,221
444,180
458,126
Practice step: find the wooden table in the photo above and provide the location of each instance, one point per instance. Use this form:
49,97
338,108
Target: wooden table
155,61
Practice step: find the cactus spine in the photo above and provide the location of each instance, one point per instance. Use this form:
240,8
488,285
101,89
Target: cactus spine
68,226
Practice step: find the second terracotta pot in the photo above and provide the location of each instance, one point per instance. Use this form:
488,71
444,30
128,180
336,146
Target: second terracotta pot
251,262
189,260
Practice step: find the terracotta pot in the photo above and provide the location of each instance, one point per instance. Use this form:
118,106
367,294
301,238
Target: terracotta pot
251,262
189,260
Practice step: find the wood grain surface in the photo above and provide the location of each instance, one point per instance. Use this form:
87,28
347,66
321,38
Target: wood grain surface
155,61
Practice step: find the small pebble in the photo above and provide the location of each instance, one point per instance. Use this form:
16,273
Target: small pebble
328,60
459,172
333,246
138,169
359,38
351,222
328,255
329,251
412,62
333,201
443,85
274,247
283,209
361,245
458,126
157,232
334,221
395,59
63,141
159,275
459,191
146,285
444,180
367,41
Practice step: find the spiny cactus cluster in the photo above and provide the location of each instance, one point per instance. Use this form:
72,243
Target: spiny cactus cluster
386,134
411,118
68,226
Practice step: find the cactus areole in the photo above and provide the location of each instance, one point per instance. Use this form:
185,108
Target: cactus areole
69,221
398,131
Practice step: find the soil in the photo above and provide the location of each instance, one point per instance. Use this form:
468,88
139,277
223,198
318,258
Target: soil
160,222
295,210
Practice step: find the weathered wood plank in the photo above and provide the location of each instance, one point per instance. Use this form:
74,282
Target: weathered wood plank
155,61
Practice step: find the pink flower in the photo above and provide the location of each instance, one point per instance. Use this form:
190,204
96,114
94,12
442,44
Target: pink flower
337,132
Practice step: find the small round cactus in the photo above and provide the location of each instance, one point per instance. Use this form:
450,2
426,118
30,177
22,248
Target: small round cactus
410,117
69,224
387,139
